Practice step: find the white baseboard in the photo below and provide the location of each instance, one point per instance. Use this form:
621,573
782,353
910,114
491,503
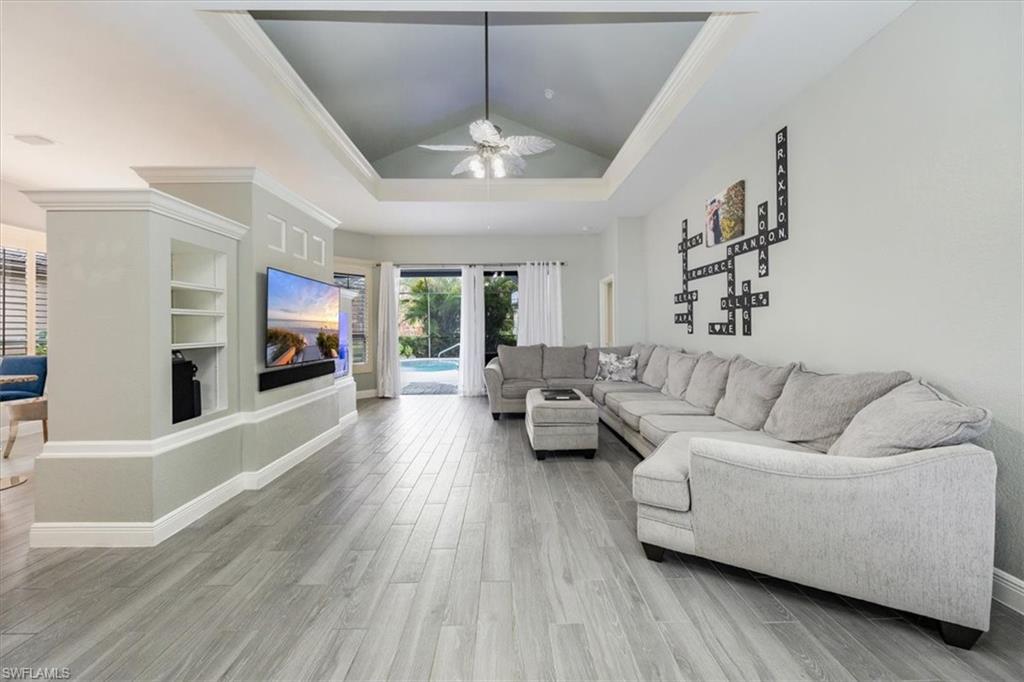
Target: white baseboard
147,534
1008,589
366,393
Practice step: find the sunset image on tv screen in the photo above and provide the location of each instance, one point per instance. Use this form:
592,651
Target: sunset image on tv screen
302,319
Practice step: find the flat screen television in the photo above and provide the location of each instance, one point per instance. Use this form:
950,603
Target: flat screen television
302,319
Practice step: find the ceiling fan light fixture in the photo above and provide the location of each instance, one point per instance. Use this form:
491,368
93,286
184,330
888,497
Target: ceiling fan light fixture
477,168
497,167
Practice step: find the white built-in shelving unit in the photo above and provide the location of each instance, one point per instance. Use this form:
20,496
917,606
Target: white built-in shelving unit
199,317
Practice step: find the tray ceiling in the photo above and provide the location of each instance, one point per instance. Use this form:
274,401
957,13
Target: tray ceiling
392,80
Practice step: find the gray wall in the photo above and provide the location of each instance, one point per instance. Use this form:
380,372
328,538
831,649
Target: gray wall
584,255
905,247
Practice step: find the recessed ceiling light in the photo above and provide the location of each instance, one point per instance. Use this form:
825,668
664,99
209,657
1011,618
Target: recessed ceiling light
585,228
34,140
549,93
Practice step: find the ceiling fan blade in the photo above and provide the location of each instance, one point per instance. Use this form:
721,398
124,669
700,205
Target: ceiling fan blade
448,147
484,132
463,166
514,165
524,145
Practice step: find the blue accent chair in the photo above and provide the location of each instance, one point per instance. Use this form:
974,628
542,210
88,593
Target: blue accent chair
23,364
23,401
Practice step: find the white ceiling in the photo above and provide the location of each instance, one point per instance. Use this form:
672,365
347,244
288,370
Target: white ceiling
159,84
392,79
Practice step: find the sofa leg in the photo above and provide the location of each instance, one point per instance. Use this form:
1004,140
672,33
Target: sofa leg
540,454
958,635
590,454
496,415
653,552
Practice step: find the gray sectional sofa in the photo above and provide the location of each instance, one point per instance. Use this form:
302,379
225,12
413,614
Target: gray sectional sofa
866,485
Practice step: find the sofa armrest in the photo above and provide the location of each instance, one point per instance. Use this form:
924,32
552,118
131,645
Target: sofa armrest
912,531
493,379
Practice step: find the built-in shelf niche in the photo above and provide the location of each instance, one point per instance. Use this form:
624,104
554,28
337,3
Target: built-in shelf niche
199,317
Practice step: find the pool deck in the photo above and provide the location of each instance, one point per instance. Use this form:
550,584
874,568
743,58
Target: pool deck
429,383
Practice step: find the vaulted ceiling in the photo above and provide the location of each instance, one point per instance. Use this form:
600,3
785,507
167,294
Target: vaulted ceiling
395,79
117,85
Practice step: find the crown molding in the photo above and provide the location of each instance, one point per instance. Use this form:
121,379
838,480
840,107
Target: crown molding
708,50
151,200
509,189
171,175
259,45
713,43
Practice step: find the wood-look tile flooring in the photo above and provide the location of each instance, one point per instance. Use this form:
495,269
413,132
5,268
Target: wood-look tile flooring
428,543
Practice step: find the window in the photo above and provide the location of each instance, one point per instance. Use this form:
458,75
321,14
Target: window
356,283
501,306
41,333
13,301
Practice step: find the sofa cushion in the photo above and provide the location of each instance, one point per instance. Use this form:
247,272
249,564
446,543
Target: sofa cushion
814,409
518,388
680,369
657,427
559,412
564,362
657,367
643,352
614,400
591,358
751,391
602,389
707,383
912,416
663,480
584,386
632,411
521,362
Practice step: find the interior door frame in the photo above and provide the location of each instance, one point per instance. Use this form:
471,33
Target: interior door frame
606,313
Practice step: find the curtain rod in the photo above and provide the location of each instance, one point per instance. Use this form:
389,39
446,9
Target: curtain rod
428,266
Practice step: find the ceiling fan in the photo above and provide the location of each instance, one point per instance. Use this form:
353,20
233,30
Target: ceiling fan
493,154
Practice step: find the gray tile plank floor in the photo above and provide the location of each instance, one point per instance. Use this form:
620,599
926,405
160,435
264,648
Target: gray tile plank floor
428,543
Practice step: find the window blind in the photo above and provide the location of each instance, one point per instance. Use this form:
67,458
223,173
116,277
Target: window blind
42,336
13,301
356,283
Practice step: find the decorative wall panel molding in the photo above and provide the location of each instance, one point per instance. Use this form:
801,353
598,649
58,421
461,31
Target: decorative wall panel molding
301,250
319,251
278,234
765,238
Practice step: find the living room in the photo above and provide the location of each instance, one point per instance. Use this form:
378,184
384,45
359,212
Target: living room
546,340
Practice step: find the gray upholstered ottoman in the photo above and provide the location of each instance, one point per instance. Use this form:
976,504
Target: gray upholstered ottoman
561,424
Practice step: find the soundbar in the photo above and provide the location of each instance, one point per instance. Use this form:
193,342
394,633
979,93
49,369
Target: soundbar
293,375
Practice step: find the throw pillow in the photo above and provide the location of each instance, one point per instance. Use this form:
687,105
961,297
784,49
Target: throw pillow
593,355
642,351
521,362
613,367
814,409
564,362
680,369
657,367
707,383
913,416
750,392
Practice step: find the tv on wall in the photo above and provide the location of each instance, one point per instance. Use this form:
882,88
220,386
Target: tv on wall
302,319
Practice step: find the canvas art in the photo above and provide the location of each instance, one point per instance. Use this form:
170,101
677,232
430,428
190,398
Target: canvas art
723,214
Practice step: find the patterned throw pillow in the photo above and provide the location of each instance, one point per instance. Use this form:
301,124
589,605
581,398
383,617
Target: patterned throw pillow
612,367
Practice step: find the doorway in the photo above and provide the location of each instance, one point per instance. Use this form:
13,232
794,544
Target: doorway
429,310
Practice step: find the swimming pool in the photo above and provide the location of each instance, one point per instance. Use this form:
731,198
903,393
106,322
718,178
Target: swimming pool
430,364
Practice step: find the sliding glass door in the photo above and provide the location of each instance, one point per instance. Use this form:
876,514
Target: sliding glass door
428,330
501,308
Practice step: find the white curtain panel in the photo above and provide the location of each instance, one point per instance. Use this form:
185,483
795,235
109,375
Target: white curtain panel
471,332
540,304
389,380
